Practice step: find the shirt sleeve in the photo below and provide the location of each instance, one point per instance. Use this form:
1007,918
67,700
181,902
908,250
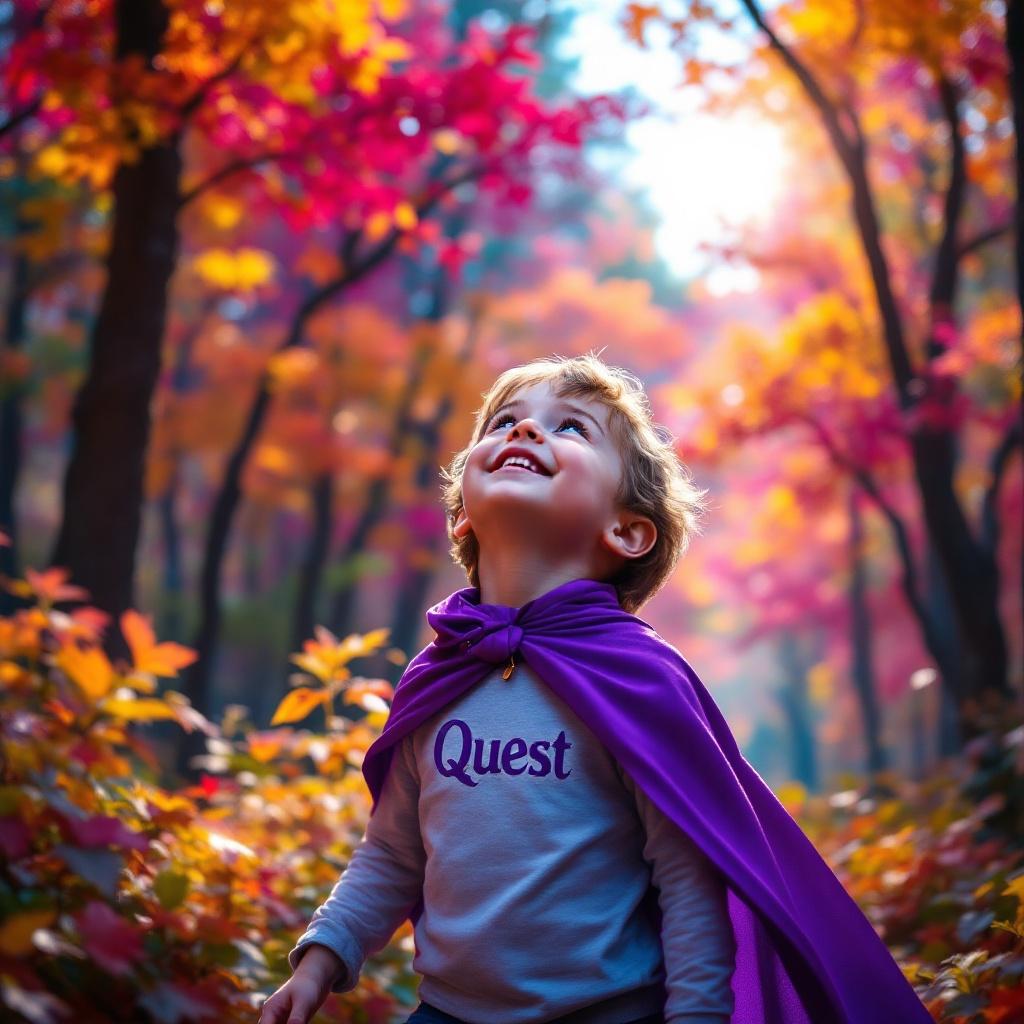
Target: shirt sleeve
696,930
382,882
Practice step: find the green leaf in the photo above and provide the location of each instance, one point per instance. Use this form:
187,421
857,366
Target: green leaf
170,888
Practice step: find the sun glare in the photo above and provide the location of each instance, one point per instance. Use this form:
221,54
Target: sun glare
704,175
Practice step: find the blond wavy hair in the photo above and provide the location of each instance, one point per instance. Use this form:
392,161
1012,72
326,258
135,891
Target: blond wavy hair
654,483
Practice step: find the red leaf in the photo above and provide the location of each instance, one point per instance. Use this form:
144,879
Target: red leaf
14,838
103,831
110,940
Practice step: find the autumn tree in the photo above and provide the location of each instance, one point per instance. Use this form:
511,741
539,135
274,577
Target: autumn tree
848,65
117,89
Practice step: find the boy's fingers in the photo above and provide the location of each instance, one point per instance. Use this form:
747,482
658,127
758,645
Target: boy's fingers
302,1009
298,1016
273,1011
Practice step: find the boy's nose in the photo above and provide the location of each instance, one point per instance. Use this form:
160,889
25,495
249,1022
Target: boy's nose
526,426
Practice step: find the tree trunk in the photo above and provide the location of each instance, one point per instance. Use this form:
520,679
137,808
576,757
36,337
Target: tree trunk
970,570
197,681
861,645
949,652
103,485
378,498
1015,49
11,440
792,696
314,561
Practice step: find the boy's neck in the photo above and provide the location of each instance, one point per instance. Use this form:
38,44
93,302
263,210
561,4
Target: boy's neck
519,577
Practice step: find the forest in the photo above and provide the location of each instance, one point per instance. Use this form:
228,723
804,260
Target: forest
260,261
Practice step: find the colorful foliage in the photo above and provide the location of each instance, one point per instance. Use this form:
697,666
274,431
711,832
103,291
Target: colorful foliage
121,900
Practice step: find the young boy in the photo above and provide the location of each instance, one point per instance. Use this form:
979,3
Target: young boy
558,805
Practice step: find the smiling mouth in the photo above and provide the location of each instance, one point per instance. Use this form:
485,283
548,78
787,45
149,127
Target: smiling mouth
523,464
520,469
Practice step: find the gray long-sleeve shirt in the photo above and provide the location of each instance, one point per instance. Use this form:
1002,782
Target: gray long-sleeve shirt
535,853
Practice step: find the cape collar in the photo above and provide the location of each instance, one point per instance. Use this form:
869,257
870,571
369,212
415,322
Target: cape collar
493,632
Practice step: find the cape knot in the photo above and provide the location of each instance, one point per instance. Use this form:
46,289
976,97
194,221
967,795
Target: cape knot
495,644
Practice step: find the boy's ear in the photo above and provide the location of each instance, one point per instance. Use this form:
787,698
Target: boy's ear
462,525
631,535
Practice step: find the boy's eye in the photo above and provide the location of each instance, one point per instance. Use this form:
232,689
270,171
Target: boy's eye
573,422
569,420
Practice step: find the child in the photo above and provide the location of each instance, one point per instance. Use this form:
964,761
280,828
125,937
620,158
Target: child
559,806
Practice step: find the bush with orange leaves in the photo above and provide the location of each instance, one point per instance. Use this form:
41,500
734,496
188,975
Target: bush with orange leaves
123,901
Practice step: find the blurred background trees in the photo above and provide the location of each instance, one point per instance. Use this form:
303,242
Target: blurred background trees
261,260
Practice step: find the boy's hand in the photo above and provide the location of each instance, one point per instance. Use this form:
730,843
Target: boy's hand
304,992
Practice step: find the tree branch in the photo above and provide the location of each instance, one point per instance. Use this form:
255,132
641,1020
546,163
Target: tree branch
909,581
982,239
826,108
15,119
942,295
852,155
1000,459
192,104
241,164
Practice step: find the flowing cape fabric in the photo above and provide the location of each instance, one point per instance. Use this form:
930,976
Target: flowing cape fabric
806,954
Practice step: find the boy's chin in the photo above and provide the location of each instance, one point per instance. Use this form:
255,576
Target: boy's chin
530,525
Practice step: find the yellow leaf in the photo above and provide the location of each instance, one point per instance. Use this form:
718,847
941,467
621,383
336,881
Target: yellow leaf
791,795
244,269
52,160
376,719
89,669
253,267
405,216
223,212
392,50
298,703
16,931
138,710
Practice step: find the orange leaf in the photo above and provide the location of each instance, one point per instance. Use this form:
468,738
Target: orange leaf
16,932
360,688
47,586
265,746
148,656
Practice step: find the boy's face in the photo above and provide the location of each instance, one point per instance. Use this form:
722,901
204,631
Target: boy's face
566,501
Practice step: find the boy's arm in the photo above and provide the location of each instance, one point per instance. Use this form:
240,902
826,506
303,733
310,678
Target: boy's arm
382,882
696,930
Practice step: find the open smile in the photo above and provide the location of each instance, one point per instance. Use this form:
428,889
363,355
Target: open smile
521,460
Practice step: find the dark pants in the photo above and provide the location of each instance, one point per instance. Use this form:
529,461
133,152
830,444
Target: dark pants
427,1014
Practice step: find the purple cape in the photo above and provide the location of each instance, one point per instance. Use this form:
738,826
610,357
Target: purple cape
806,954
